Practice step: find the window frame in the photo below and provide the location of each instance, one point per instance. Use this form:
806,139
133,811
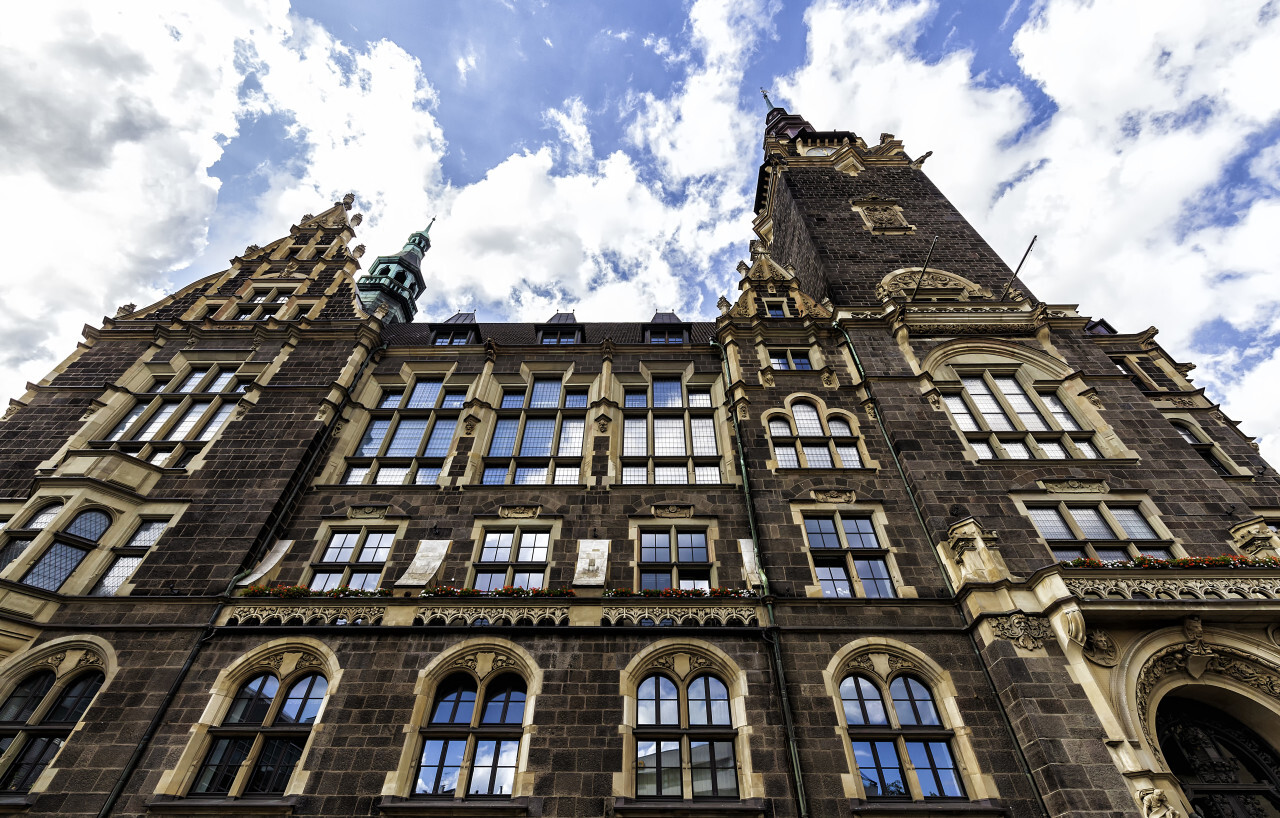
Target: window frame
892,731
685,734
784,359
963,409
847,557
801,448
695,460
696,571
347,569
1088,546
512,565
505,467
424,464
472,733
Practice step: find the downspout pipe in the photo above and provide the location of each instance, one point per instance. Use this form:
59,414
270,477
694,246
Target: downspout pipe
946,578
206,634
771,631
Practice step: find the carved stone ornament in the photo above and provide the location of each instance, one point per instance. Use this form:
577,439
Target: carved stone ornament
1075,486
252,250
602,424
306,217
1241,586
1155,804
307,615
125,309
723,305
358,251
681,665
673,510
519,512
356,219
1100,649
1255,536
1195,658
681,614
902,283
306,660
348,201
89,659
274,662
766,377
1095,400
367,512
833,496
897,663
743,412
11,411
861,663
492,614
828,378
1027,632
469,424
89,412
54,659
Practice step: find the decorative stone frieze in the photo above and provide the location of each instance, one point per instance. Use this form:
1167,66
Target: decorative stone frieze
492,615
307,615
1075,486
1027,632
673,510
519,512
1238,586
367,512
833,496
680,614
967,553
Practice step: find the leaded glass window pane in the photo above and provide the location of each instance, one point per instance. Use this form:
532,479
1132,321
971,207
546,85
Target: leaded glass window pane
546,393
1016,449
1134,524
960,411
821,532
787,458
566,476
118,574
391,475
633,474
1020,403
372,440
1050,523
158,420
216,422
572,431
1059,411
441,437
90,525
987,404
1053,450
706,474
704,436
982,450
779,428
849,457
635,437
807,422
408,438
1088,449
667,393
874,575
538,433
424,394
699,399
839,427
531,475
54,567
671,475
668,437
818,456
834,580
504,437
1091,523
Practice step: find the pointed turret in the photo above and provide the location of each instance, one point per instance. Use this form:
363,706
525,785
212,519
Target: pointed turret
395,282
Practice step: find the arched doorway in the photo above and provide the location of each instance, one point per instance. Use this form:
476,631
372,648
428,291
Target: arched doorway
1226,770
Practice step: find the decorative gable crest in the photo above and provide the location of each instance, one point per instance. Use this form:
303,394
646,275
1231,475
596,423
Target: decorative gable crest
902,283
765,278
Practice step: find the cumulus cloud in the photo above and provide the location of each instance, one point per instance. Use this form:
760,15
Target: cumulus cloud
1124,182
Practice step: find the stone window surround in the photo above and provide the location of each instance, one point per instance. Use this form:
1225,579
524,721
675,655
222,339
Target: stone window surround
889,658
477,657
824,414
709,525
67,656
327,528
281,658
125,514
699,657
879,521
550,525
1207,448
1097,496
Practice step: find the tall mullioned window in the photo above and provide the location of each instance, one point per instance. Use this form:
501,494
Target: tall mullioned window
1110,532
409,435
73,540
669,434
470,749
129,556
170,425
1000,417
674,558
685,739
882,736
37,719
256,747
538,435
849,560
353,559
514,557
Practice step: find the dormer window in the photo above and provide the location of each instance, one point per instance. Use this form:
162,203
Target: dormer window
452,337
775,308
259,305
558,336
669,335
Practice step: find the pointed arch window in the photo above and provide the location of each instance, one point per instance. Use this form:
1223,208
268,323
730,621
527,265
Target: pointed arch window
811,444
683,728
469,748
882,737
1225,769
36,720
256,747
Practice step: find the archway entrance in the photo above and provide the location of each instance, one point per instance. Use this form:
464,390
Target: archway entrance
1226,770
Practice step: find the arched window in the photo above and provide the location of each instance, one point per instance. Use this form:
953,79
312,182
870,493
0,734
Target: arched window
466,747
1225,769
68,549
260,740
881,736
811,445
1001,418
684,729
37,717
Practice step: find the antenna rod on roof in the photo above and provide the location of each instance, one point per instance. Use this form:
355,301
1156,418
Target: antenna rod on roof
767,101
925,267
1005,291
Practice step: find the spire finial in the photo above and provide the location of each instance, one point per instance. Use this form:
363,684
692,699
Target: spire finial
767,101
433,221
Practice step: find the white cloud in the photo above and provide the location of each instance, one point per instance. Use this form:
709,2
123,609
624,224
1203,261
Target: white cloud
618,35
547,40
1119,168
465,64
571,123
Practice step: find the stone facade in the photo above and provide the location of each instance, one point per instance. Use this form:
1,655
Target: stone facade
904,507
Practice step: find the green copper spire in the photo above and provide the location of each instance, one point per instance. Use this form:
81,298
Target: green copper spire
396,281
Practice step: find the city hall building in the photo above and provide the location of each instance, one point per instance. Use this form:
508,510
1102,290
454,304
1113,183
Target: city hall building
888,537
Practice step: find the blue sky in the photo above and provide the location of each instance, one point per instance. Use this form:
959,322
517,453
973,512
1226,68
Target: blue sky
600,156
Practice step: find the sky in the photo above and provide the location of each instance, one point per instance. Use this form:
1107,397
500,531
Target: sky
600,157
